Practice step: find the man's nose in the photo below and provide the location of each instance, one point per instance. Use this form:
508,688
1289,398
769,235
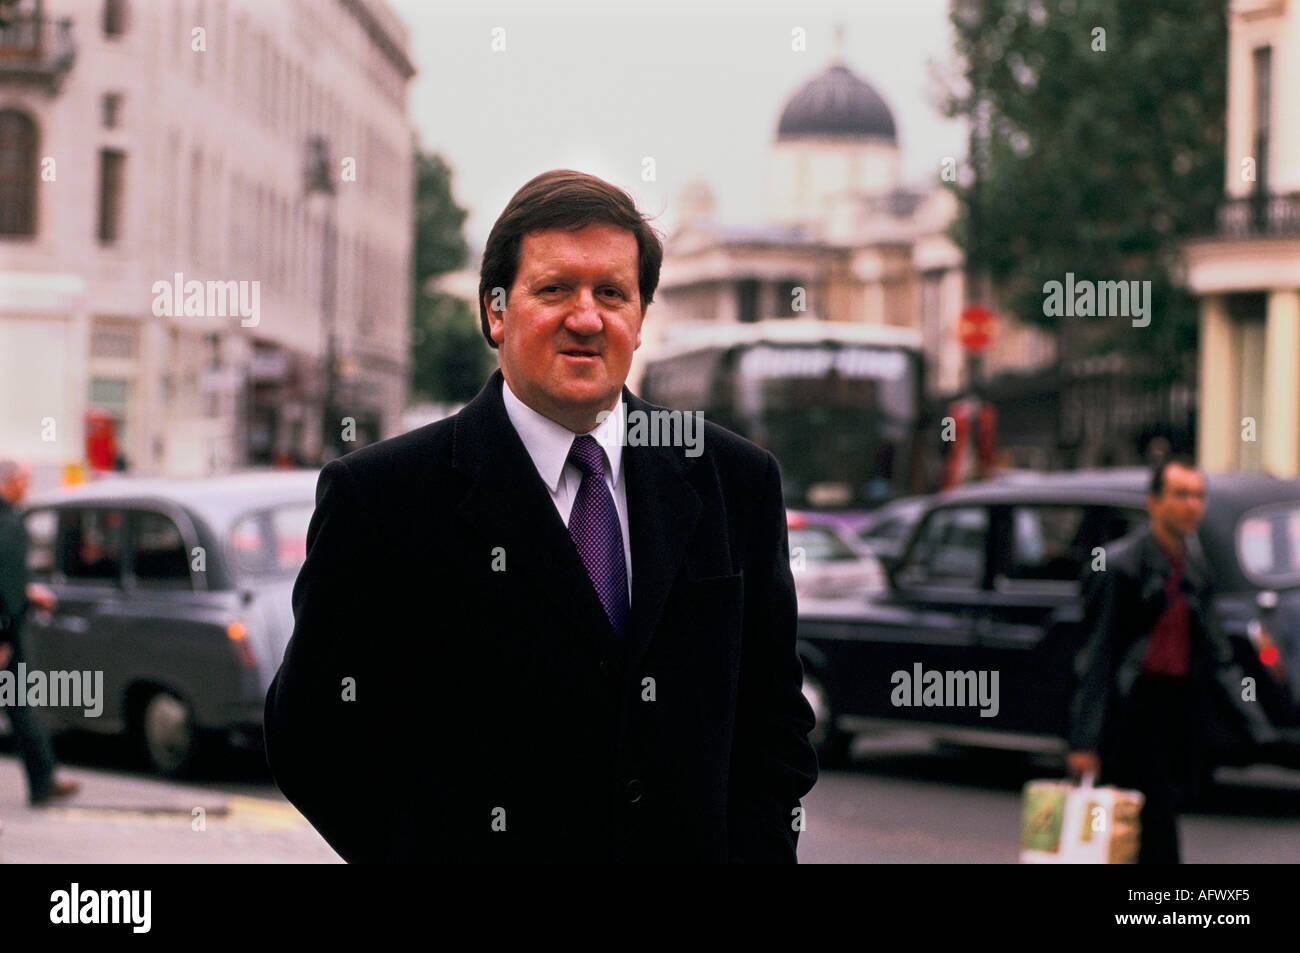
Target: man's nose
585,317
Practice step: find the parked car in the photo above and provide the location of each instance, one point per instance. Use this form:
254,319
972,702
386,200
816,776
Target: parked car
827,564
989,582
179,591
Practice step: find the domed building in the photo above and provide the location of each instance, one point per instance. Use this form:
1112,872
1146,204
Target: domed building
835,141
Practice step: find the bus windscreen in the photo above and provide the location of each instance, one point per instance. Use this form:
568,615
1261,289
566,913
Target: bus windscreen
840,419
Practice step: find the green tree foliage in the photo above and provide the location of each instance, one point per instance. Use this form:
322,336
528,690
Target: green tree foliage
439,245
449,358
1091,160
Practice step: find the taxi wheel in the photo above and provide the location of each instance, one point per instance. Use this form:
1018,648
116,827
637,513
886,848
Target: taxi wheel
167,735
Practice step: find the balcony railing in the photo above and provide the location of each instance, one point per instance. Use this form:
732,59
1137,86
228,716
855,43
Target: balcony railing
1259,216
37,49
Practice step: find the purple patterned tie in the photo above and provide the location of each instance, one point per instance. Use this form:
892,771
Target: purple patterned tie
593,524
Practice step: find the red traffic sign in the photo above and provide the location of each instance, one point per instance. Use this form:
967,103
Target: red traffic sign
976,327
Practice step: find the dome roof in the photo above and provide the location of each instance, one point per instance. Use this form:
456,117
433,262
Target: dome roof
838,104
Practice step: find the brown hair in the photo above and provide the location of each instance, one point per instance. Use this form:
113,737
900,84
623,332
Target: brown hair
569,200
1156,484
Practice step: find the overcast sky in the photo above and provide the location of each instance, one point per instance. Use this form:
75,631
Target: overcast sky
698,86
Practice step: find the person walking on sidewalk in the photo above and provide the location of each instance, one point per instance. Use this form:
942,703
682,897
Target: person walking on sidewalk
16,596
1151,661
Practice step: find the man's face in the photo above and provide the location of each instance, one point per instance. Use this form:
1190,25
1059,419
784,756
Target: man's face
571,322
1181,504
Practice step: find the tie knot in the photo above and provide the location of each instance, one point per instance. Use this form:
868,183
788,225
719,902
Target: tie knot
587,456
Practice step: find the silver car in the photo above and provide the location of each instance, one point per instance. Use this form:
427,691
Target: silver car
827,564
179,592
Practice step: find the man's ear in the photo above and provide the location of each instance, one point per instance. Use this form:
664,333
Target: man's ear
640,321
496,319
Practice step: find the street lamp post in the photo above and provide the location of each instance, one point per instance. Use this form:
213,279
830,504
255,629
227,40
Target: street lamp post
317,181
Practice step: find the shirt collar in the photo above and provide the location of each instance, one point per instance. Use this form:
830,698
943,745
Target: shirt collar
548,443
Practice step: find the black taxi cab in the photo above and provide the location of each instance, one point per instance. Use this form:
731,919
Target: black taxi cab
976,635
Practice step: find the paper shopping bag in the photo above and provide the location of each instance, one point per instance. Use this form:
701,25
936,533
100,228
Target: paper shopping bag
1063,823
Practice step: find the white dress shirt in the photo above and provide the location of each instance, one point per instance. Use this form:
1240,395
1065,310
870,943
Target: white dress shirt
548,443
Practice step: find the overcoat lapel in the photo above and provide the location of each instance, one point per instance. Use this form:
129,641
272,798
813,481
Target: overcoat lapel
507,505
663,512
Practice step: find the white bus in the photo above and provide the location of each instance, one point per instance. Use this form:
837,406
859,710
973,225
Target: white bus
839,404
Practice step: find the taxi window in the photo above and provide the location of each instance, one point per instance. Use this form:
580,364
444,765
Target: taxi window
271,542
161,561
949,549
41,527
1046,543
90,543
1268,545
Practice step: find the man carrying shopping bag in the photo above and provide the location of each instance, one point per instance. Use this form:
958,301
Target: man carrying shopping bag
1151,660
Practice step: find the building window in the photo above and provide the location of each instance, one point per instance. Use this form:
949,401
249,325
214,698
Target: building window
113,342
112,164
112,110
1263,66
109,393
18,162
747,300
114,17
786,300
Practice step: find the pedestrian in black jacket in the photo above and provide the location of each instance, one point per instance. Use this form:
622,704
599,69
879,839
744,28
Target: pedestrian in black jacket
16,594
1151,660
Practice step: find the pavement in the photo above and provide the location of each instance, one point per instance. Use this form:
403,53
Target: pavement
117,818
903,801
